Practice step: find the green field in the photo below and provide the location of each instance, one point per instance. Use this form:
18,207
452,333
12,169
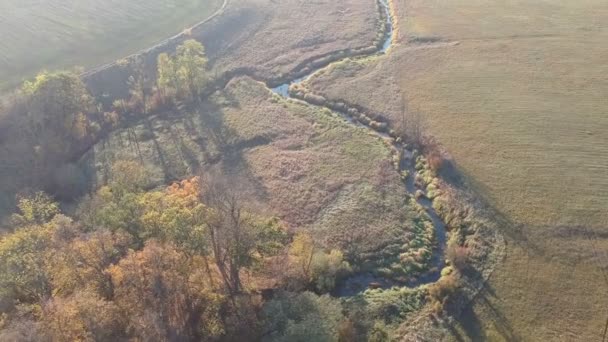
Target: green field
66,33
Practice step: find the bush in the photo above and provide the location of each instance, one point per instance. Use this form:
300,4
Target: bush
378,333
315,99
435,161
442,292
302,317
458,256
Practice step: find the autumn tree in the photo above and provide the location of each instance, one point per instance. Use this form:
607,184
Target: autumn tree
82,263
164,296
58,104
313,266
191,68
38,208
26,259
83,316
237,236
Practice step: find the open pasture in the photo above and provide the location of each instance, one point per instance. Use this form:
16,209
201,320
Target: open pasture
66,33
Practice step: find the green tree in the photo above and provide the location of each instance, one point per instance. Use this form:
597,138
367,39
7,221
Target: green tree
303,317
23,265
191,67
38,208
57,106
167,81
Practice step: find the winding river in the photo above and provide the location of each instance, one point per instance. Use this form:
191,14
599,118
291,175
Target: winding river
359,282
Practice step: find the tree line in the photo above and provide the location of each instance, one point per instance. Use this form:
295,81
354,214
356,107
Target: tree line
52,120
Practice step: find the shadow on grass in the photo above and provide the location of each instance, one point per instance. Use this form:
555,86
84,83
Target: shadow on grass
230,146
206,142
480,196
471,325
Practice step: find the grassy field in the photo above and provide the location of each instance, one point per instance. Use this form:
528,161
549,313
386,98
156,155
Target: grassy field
273,37
65,33
515,92
311,168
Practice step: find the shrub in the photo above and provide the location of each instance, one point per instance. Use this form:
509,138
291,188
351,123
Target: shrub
458,256
145,135
442,292
435,161
302,317
378,333
315,99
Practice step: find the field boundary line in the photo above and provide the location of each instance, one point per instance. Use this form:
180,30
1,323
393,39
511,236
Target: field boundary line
162,43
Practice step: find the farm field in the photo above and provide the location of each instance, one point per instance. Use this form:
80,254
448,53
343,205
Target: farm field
515,93
66,33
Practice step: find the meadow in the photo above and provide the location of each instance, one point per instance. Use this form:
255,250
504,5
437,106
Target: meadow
305,165
515,93
66,33
275,37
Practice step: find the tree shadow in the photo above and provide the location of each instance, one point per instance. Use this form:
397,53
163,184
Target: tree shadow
480,196
471,324
210,120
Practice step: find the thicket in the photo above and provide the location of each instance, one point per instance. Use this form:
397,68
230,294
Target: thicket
180,263
52,120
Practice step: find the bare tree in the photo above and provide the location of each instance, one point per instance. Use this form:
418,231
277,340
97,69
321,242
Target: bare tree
230,228
412,123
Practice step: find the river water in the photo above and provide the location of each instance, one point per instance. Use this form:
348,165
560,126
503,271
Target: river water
360,282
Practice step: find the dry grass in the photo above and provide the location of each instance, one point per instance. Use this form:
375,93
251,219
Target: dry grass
311,168
273,37
65,33
520,105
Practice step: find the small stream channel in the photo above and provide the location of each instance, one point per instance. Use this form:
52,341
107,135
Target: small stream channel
359,282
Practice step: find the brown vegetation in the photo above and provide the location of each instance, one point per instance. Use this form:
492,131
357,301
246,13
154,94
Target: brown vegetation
501,121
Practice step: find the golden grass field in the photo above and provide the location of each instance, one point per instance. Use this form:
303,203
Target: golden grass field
273,37
66,33
516,93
